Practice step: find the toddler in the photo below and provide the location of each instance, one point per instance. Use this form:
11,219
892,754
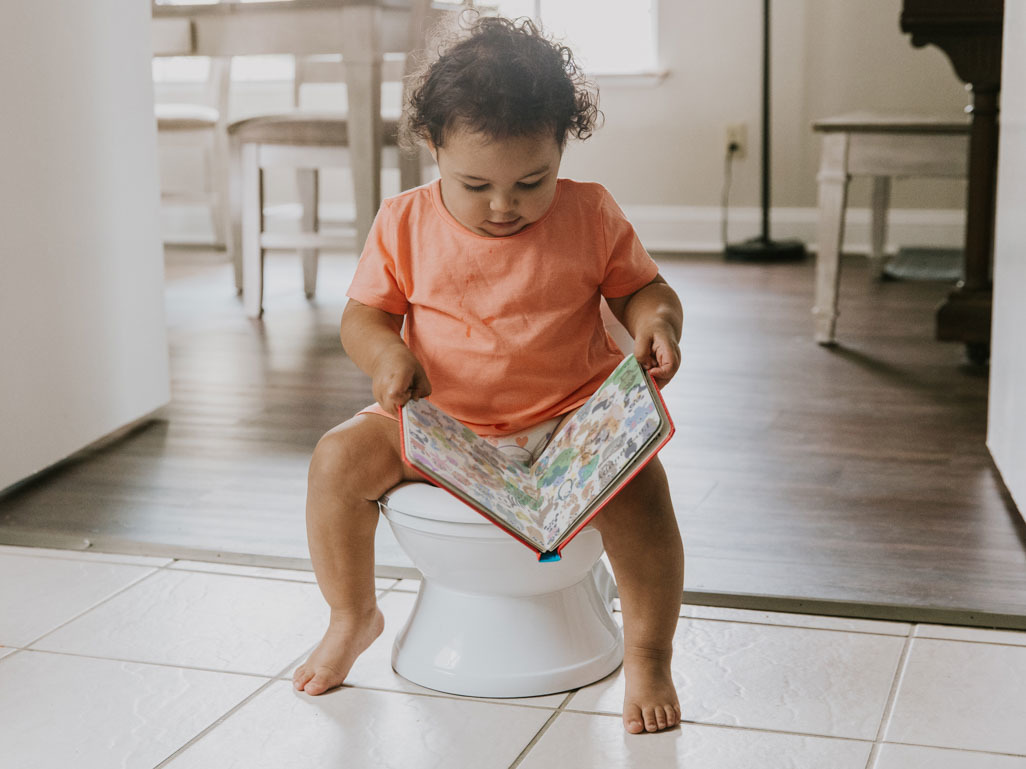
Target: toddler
482,290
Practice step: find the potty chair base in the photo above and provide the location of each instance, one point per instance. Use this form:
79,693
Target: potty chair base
510,646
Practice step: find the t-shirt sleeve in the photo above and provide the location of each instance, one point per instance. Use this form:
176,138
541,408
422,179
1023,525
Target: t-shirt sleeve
628,267
378,281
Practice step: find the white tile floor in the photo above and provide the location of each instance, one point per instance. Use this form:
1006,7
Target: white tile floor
120,661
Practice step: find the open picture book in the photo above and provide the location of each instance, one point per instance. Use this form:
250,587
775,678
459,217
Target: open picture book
588,459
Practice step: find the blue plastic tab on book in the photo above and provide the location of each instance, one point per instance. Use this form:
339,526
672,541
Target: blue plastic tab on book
548,557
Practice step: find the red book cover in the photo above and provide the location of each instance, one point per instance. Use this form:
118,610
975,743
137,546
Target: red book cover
593,455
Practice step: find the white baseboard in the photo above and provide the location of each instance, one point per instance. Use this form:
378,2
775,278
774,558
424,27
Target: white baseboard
673,229
186,225
691,229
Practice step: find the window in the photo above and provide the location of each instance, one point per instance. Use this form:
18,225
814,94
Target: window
195,69
607,36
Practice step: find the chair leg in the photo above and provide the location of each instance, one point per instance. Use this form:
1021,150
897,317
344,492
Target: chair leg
252,228
219,188
878,225
306,181
235,211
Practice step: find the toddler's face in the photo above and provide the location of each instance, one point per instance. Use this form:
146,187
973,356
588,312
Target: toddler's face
496,187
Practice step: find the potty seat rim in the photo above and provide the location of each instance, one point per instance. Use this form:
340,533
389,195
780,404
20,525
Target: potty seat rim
419,499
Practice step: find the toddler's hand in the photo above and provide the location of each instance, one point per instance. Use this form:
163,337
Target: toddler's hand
397,378
658,353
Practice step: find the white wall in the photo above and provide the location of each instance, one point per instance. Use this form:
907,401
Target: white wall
83,348
664,145
1006,433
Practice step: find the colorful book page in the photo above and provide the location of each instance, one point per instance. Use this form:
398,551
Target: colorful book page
453,453
541,502
593,448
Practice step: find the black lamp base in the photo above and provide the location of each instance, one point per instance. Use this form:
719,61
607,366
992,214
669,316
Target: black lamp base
764,250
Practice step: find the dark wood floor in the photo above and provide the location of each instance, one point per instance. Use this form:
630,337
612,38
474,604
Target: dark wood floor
851,481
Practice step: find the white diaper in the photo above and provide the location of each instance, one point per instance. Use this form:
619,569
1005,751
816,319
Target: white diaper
526,445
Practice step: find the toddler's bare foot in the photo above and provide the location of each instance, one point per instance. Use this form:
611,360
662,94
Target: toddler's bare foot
346,638
650,703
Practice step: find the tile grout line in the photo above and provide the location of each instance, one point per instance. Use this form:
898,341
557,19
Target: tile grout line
734,727
685,722
215,723
389,590
977,643
968,751
130,661
806,627
27,647
98,604
892,698
438,695
88,555
541,731
167,567
231,711
294,580
282,675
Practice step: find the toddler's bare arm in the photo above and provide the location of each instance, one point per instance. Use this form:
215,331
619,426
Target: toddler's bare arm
654,317
371,338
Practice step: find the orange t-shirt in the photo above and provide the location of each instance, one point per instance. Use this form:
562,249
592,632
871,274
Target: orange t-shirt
507,329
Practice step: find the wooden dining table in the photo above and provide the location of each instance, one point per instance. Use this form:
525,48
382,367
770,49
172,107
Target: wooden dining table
362,31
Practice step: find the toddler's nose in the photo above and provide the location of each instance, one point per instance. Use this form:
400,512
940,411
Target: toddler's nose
503,203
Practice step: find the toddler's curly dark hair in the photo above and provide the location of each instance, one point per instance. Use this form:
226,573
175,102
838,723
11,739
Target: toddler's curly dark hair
504,79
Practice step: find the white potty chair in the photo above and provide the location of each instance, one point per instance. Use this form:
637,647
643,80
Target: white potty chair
490,620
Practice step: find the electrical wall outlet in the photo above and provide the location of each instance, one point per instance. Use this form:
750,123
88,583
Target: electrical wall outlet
736,140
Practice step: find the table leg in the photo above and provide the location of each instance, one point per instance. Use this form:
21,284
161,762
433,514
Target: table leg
235,211
878,226
965,315
306,181
363,84
833,193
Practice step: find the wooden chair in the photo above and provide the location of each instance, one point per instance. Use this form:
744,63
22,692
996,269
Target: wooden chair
202,126
307,141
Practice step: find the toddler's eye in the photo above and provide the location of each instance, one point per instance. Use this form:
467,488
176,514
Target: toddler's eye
530,185
472,188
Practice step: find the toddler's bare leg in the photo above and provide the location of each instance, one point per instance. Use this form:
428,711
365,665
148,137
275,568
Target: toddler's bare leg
353,465
639,531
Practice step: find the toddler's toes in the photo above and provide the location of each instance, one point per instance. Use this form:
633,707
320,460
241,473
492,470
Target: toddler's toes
666,717
632,719
650,701
301,677
314,680
322,680
655,719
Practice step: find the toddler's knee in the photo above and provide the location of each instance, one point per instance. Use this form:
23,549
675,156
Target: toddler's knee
334,454
342,460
